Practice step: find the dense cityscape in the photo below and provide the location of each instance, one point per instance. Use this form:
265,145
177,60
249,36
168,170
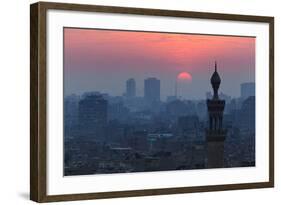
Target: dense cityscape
130,133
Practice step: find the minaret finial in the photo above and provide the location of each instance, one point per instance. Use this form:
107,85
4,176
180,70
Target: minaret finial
215,66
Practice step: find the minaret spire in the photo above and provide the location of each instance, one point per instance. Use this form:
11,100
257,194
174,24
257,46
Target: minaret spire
215,66
215,134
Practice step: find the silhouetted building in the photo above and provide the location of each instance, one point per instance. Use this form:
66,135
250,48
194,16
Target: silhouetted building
215,134
117,111
247,90
93,116
198,155
131,88
152,90
201,110
177,108
247,116
171,98
188,126
70,113
138,141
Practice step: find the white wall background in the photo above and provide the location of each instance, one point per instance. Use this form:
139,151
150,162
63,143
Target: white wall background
14,102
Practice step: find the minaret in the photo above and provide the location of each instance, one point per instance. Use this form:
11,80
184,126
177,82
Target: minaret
215,134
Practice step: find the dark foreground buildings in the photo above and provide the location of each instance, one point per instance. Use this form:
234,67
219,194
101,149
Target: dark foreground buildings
92,116
118,134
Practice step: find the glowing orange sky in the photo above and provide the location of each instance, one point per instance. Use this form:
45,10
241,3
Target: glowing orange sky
177,48
108,53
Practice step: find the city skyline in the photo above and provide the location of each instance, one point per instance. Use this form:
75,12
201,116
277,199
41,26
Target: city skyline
87,67
119,134
244,91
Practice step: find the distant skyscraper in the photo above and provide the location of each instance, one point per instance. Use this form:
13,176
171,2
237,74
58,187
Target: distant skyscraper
215,134
247,90
152,90
247,116
93,116
131,88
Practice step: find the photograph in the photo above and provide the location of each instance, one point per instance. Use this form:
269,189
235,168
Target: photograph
143,101
132,101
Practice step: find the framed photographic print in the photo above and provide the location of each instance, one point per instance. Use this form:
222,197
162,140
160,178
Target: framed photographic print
134,102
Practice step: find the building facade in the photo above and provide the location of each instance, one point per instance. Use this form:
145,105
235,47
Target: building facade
152,90
247,90
131,88
93,116
70,113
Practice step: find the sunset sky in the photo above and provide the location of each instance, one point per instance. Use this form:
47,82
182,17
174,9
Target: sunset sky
102,60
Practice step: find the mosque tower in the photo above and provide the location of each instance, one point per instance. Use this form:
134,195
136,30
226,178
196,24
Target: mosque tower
215,134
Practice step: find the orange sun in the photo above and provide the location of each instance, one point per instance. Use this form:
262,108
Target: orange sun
184,76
